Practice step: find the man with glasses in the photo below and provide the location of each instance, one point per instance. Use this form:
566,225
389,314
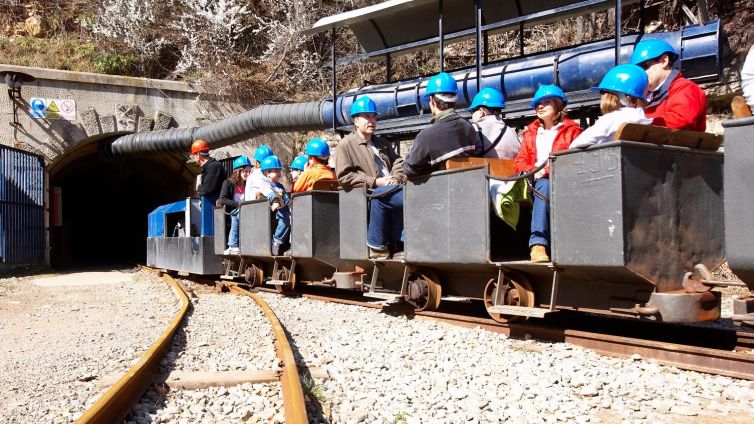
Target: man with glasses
371,162
673,101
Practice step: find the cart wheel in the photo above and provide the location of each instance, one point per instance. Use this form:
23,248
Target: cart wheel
517,291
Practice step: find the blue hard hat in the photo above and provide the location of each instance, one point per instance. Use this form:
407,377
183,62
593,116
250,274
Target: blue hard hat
271,162
548,91
363,105
488,97
299,162
652,49
317,147
625,79
261,153
240,162
441,83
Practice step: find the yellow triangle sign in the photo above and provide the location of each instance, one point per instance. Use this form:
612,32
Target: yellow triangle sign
53,111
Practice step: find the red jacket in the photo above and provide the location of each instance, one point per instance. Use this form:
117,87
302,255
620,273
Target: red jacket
527,155
685,107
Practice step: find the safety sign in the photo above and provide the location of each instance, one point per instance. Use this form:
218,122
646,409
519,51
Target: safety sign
41,108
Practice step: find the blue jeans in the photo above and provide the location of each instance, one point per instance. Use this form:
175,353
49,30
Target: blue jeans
385,218
283,228
235,218
540,215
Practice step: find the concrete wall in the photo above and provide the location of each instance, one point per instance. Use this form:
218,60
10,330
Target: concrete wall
106,105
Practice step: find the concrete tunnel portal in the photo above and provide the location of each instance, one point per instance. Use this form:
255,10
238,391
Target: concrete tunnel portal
99,206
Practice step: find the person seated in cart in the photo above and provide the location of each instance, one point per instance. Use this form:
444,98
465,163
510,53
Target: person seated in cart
673,101
257,182
278,197
365,160
623,91
318,153
499,140
231,196
297,167
550,132
449,135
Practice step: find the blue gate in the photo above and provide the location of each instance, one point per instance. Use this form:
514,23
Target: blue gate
21,207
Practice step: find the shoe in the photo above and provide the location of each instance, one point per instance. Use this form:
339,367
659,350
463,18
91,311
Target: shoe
399,256
538,254
378,253
277,249
232,251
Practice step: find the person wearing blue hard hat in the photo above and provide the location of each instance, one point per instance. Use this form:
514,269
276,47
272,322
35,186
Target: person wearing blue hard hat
365,160
274,191
318,153
231,196
673,100
257,182
298,165
550,132
499,140
623,93
449,135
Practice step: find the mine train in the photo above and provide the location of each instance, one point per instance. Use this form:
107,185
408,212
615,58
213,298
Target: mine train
636,225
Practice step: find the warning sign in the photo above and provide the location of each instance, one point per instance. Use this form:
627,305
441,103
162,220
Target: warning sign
41,108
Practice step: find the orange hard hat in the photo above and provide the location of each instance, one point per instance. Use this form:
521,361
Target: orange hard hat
199,146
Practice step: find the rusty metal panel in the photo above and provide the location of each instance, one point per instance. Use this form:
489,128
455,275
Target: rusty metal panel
353,224
255,232
739,197
446,218
315,225
21,207
653,210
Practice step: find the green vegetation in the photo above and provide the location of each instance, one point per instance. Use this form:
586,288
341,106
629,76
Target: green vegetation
400,418
312,390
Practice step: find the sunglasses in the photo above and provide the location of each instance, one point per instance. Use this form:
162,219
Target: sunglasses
647,64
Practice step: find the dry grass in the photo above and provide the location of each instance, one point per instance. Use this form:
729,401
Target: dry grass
59,53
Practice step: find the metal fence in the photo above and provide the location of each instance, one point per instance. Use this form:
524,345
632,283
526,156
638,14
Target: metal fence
21,207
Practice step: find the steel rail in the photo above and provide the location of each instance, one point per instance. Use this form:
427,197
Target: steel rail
118,401
293,393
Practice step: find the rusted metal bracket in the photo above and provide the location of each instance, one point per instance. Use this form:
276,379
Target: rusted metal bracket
555,287
693,281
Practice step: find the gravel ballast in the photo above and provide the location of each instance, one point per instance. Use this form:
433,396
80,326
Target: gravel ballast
387,369
62,334
223,333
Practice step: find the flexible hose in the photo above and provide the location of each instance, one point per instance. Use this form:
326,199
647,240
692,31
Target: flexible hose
231,130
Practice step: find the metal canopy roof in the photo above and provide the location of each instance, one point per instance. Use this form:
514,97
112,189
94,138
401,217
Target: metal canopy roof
397,25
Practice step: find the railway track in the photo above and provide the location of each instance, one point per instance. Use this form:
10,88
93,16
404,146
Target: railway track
123,395
715,351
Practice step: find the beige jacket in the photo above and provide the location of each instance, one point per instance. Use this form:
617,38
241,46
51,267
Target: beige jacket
355,164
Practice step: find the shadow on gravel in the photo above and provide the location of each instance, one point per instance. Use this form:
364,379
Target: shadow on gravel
315,409
154,399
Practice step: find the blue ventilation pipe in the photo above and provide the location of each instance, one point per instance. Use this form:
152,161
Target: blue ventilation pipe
575,69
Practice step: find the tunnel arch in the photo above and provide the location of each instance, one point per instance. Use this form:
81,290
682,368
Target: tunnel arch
104,202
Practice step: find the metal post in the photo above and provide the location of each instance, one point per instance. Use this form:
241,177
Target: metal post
478,14
642,21
486,47
442,40
554,292
389,67
334,85
618,24
521,38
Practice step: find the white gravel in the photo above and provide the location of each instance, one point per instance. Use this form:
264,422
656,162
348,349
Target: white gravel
388,369
58,340
223,333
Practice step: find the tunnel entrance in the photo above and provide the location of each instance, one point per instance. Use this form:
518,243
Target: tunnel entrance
99,207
